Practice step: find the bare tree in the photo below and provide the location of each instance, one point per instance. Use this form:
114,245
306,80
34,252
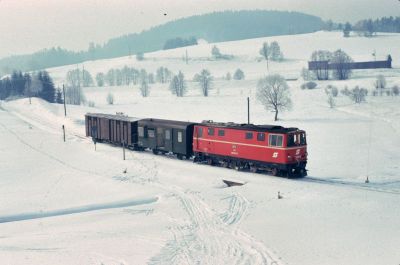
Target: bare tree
110,77
178,85
265,51
100,77
321,59
331,101
74,95
276,53
331,90
144,84
33,87
215,52
79,77
358,94
204,79
163,75
380,84
273,92
341,65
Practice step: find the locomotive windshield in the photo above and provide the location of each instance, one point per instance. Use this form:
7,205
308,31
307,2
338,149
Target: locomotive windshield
296,139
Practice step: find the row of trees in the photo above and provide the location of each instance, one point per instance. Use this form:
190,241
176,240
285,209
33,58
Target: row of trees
271,51
38,84
267,51
338,58
79,77
129,75
366,27
237,75
179,42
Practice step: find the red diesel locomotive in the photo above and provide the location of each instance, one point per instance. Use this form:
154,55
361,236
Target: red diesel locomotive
279,150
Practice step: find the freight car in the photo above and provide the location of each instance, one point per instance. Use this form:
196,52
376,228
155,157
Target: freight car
275,149
115,129
279,150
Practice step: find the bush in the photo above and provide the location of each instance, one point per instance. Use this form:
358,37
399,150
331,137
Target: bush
332,90
345,91
140,56
380,82
331,101
91,104
110,99
358,94
309,85
239,75
395,90
306,74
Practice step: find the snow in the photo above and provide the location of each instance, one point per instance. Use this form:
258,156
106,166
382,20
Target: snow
67,203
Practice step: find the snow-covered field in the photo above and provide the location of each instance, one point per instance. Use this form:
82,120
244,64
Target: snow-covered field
65,203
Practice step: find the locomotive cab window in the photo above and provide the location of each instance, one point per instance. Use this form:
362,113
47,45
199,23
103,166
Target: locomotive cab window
261,137
249,135
303,138
275,140
210,131
292,139
221,133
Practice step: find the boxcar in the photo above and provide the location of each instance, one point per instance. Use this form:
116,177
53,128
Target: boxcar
116,129
257,147
164,136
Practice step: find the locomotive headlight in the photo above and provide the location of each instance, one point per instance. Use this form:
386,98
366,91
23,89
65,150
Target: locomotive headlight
289,158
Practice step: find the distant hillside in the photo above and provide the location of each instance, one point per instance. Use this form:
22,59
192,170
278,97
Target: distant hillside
214,27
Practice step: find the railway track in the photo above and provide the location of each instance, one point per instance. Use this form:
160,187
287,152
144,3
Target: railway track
392,187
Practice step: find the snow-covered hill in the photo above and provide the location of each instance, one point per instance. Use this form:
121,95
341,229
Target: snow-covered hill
166,211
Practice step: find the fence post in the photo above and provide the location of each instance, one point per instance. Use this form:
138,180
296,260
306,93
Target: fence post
123,149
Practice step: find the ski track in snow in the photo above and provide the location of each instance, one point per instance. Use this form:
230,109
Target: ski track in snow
207,237
212,238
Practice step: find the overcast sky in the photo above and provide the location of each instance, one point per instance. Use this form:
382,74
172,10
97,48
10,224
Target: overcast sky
30,25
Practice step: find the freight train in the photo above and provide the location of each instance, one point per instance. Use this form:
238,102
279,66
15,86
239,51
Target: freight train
257,148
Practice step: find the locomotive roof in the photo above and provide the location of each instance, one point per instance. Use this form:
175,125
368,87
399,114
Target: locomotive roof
169,123
117,117
252,127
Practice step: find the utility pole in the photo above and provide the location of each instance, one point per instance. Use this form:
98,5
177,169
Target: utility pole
83,75
63,128
65,107
248,110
